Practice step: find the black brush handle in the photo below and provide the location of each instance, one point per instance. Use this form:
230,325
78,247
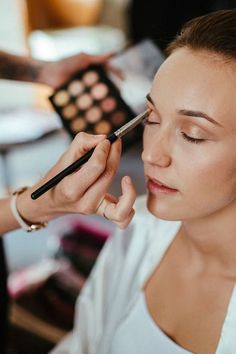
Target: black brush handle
67,171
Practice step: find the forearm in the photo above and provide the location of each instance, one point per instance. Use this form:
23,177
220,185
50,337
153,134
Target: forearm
50,73
82,192
7,220
22,68
33,212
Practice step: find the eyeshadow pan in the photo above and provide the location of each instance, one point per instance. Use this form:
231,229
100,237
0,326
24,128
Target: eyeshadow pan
103,127
90,78
99,91
108,104
91,102
70,111
75,88
61,98
84,101
94,114
118,118
78,124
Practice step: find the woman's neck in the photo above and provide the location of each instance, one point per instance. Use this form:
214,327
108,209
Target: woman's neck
211,242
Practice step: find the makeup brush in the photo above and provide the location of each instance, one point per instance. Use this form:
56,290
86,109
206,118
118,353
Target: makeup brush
126,128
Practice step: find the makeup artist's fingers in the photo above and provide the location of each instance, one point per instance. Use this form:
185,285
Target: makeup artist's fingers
83,60
79,146
83,190
120,211
98,59
80,189
76,184
104,59
123,211
58,72
98,190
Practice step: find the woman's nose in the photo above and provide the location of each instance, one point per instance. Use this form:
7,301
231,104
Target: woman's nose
157,151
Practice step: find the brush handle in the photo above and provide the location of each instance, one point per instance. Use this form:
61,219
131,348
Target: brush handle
67,171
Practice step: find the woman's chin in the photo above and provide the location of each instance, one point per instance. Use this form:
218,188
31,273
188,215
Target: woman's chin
161,210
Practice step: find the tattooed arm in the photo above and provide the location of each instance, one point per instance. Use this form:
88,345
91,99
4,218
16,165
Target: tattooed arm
14,67
23,68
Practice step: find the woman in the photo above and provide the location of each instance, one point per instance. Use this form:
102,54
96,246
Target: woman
167,284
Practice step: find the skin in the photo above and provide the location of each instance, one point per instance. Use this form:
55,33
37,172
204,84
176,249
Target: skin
53,74
189,292
85,191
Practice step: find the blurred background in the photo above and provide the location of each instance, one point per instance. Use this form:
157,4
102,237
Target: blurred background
49,30
31,140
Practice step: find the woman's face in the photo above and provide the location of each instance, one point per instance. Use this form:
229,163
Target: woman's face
190,137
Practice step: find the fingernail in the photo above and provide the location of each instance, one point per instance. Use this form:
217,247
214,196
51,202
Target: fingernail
127,179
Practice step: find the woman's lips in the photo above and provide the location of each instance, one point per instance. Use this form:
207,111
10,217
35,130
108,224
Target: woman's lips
155,186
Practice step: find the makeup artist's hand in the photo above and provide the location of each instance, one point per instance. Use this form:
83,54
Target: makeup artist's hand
57,73
51,73
84,191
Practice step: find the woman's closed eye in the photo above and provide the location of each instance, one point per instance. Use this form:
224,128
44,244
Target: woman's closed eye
184,135
190,134
191,139
193,134
152,121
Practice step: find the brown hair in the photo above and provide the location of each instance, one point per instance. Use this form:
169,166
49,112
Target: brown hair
215,32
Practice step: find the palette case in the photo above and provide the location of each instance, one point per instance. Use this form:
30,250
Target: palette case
91,102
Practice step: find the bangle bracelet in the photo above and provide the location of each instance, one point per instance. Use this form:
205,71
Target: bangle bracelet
21,221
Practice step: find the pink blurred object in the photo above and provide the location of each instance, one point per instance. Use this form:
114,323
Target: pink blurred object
32,277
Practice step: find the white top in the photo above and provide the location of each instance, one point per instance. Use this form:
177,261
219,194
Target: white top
123,267
139,334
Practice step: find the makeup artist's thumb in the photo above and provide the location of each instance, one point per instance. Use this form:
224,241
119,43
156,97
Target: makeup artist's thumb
102,57
127,185
129,194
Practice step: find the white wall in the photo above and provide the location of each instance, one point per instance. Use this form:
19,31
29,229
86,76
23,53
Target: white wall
12,39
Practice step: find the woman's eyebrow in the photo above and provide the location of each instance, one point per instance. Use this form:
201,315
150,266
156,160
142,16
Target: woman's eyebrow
198,114
190,113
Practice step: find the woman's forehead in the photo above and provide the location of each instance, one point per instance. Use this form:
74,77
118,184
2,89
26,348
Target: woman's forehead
189,62
197,80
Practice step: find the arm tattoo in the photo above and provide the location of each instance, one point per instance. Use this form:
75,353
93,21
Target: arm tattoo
14,67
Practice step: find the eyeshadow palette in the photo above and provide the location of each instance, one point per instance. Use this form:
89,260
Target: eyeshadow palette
91,102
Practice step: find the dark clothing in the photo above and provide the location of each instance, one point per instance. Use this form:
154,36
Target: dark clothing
3,299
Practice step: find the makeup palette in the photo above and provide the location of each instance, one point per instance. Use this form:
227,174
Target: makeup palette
92,103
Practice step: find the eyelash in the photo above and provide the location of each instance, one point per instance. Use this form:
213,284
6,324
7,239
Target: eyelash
185,136
192,140
148,122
